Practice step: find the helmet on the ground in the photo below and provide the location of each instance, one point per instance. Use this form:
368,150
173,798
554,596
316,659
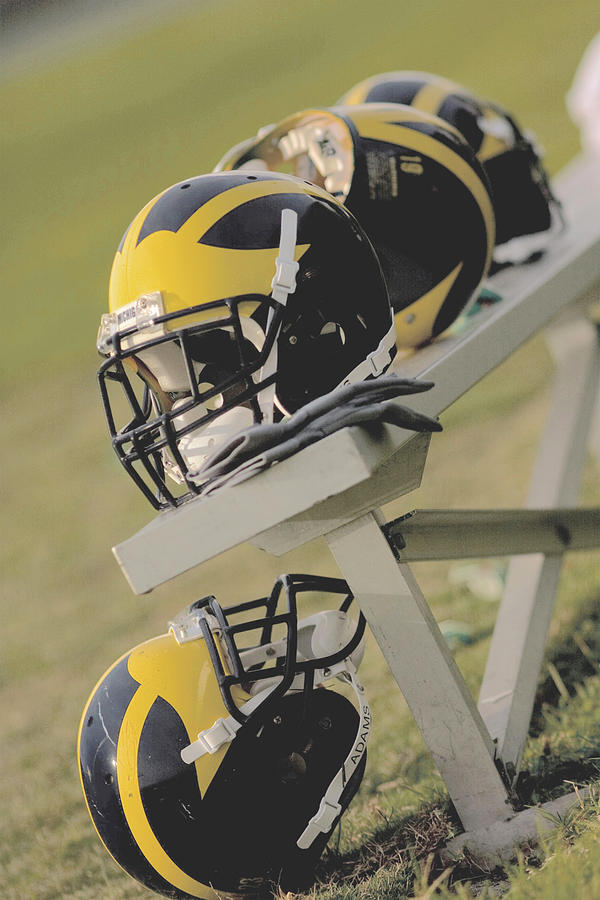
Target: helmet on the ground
234,299
413,183
218,757
526,211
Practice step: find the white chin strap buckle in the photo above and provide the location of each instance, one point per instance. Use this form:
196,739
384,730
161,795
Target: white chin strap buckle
284,279
223,731
211,740
286,267
321,822
376,362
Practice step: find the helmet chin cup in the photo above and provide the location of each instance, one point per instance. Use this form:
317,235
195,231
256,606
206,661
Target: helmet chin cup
326,633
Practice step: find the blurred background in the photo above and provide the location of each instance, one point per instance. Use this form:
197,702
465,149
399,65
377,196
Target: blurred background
103,104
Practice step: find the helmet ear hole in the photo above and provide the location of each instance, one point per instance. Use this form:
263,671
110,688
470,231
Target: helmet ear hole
334,328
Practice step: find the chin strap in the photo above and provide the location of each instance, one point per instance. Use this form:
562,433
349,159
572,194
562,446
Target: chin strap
224,730
283,284
330,807
377,361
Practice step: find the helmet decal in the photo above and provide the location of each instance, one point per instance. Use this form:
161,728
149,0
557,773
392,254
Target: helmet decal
169,791
430,96
422,315
131,798
177,204
99,732
143,829
249,225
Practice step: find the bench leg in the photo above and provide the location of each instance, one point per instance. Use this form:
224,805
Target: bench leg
427,675
509,684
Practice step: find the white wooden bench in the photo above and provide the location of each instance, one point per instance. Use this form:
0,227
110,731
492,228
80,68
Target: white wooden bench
334,489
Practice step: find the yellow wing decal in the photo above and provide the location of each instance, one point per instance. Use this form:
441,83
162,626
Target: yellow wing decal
414,323
199,273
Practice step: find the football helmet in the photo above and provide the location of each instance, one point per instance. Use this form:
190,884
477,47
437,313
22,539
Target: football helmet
235,299
527,213
413,183
217,757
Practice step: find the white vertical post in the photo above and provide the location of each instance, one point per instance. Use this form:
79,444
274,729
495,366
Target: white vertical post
427,675
509,684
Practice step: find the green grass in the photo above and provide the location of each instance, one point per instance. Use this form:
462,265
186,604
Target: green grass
85,142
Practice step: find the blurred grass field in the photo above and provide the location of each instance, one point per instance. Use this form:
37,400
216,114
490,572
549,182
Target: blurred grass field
87,139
